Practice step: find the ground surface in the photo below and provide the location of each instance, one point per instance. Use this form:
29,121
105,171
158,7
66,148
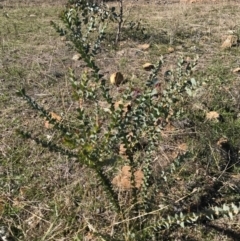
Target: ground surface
46,196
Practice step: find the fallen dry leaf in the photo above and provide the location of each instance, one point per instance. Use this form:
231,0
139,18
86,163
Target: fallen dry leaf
123,179
76,57
148,66
173,155
90,236
171,50
212,115
221,141
117,104
116,78
237,70
53,116
169,127
47,125
125,107
183,147
230,41
122,150
143,46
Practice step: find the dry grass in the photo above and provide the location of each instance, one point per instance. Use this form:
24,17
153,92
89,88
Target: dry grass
45,196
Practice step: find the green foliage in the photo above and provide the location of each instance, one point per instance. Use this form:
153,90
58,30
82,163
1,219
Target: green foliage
94,139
